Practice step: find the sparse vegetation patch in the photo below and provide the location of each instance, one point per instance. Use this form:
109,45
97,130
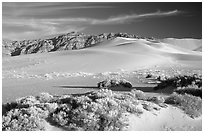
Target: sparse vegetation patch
190,104
93,111
181,81
191,85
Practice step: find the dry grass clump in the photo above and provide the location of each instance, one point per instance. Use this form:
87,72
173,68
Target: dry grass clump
190,104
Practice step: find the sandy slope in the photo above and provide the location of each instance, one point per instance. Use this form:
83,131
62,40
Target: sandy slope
191,44
166,119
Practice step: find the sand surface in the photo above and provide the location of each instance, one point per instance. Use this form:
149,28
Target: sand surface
187,43
166,119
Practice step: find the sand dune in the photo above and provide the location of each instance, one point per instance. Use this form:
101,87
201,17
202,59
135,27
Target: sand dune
191,44
109,56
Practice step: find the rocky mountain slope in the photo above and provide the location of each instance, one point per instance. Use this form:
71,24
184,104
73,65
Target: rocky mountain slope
69,41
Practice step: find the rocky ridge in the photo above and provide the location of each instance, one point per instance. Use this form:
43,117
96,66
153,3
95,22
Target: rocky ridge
69,41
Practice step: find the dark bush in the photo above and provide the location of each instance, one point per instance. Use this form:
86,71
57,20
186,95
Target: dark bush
190,91
149,76
114,83
8,106
181,81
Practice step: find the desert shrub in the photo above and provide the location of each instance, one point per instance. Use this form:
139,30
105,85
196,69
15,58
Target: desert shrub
61,114
94,111
99,115
114,83
26,113
24,102
29,100
190,104
50,107
24,119
147,107
45,97
140,95
101,110
125,83
8,106
130,107
194,81
157,100
102,93
183,85
190,91
149,76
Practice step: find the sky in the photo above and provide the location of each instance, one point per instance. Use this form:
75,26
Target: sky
32,20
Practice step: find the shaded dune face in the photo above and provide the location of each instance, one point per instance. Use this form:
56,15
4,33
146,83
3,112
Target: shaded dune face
190,44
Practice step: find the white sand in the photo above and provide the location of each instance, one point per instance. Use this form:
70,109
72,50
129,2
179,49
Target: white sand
170,118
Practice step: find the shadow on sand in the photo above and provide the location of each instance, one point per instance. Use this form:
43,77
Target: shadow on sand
144,89
77,86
